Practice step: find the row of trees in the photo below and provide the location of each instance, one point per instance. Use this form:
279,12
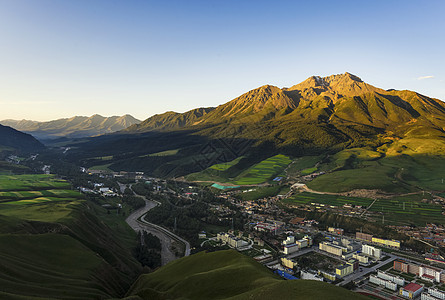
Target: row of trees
148,250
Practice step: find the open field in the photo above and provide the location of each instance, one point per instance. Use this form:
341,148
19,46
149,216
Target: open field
264,170
261,172
33,182
225,166
395,174
409,210
36,197
334,200
398,210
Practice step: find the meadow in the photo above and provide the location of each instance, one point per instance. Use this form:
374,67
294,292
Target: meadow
36,197
264,171
55,244
361,168
398,210
258,173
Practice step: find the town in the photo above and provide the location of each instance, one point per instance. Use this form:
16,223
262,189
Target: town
295,247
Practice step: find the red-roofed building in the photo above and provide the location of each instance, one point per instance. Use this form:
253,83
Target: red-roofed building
411,290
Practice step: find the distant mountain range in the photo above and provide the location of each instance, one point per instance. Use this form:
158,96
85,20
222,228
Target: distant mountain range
12,140
319,115
75,127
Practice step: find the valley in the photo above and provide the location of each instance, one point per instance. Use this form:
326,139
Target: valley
191,199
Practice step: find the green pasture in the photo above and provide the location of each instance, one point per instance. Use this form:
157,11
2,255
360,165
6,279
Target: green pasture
302,163
309,171
31,182
264,170
334,200
408,210
415,211
395,174
226,165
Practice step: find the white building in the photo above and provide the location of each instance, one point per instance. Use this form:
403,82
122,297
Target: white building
310,275
288,249
382,282
371,251
433,294
393,278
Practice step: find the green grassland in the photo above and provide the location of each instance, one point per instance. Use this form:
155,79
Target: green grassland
334,200
31,182
407,210
302,163
264,171
309,171
165,153
55,245
365,169
227,275
415,211
258,173
226,165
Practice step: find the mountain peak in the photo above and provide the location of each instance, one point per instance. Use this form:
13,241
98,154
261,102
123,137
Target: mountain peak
345,84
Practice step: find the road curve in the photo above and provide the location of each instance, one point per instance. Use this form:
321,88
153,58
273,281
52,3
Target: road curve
167,238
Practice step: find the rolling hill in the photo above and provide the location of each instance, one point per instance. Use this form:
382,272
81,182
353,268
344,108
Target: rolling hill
228,275
321,115
75,127
11,139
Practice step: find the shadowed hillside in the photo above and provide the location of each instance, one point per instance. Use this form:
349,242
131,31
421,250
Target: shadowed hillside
228,275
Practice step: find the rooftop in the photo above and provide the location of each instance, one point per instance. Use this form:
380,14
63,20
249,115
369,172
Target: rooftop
412,287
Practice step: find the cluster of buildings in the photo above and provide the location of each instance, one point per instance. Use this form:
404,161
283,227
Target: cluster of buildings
433,294
376,240
428,273
347,268
411,290
386,280
347,249
291,245
338,231
231,240
431,233
271,227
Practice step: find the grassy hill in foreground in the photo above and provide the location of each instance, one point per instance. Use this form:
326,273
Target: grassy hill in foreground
54,246
227,275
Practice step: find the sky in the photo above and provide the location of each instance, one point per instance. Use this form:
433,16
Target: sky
83,57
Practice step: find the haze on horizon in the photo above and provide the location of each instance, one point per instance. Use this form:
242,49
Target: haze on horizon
66,58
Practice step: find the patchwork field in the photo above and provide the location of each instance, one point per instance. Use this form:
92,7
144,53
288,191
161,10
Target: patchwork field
264,171
261,172
54,246
395,174
36,197
334,200
399,210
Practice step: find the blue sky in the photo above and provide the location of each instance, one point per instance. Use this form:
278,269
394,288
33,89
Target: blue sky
65,58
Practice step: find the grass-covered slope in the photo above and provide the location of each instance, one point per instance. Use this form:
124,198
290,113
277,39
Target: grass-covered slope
227,275
57,247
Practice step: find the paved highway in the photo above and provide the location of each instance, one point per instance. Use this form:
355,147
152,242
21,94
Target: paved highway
167,238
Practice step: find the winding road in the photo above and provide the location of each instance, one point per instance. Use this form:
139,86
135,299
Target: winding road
136,220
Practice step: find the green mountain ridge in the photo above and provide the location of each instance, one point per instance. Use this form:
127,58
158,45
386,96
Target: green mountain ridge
75,127
319,115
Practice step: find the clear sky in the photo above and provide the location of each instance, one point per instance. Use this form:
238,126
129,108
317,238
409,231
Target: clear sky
81,57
